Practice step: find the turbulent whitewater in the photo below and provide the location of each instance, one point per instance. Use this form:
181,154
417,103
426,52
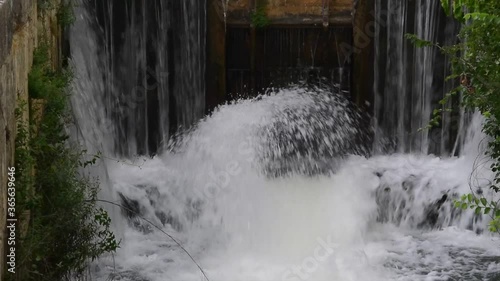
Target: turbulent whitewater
283,187
371,218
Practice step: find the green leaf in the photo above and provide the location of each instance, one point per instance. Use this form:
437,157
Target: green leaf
470,197
493,228
477,210
485,17
484,201
457,11
418,42
446,6
487,210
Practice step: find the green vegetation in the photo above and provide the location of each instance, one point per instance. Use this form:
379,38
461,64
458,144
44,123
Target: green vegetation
478,68
61,229
66,228
259,18
44,5
476,64
65,14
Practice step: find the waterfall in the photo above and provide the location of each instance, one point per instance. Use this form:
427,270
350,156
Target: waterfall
283,186
409,81
141,71
222,192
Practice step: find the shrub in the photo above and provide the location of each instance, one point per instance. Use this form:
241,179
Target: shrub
67,229
478,68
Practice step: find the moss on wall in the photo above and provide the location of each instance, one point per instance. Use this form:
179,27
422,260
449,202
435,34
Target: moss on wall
337,12
22,26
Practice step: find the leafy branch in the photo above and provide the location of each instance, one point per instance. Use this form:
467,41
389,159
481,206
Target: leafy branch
481,205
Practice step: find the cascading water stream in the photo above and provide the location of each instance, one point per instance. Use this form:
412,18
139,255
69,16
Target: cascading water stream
141,69
409,81
277,188
383,218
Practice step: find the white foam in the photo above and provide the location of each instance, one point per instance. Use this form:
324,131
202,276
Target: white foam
241,225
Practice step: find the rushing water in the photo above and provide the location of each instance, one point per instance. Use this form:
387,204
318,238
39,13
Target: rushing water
409,81
144,65
381,218
277,188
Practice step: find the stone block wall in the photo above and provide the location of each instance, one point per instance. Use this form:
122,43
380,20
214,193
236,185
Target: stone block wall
18,39
22,26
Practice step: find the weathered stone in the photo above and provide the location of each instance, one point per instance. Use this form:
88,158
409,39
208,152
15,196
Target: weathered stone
21,12
6,29
16,49
19,29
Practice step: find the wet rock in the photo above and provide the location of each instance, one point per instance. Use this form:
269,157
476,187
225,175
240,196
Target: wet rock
409,183
132,210
162,217
127,276
155,211
432,213
130,207
383,199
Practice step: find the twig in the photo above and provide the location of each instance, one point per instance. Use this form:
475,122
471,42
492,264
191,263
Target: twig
154,225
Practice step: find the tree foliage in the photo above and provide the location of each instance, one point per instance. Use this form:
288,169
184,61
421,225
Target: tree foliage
66,229
477,65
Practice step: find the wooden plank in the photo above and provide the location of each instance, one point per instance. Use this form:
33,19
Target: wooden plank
289,12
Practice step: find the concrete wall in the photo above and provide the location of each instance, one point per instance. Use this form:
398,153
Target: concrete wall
21,27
